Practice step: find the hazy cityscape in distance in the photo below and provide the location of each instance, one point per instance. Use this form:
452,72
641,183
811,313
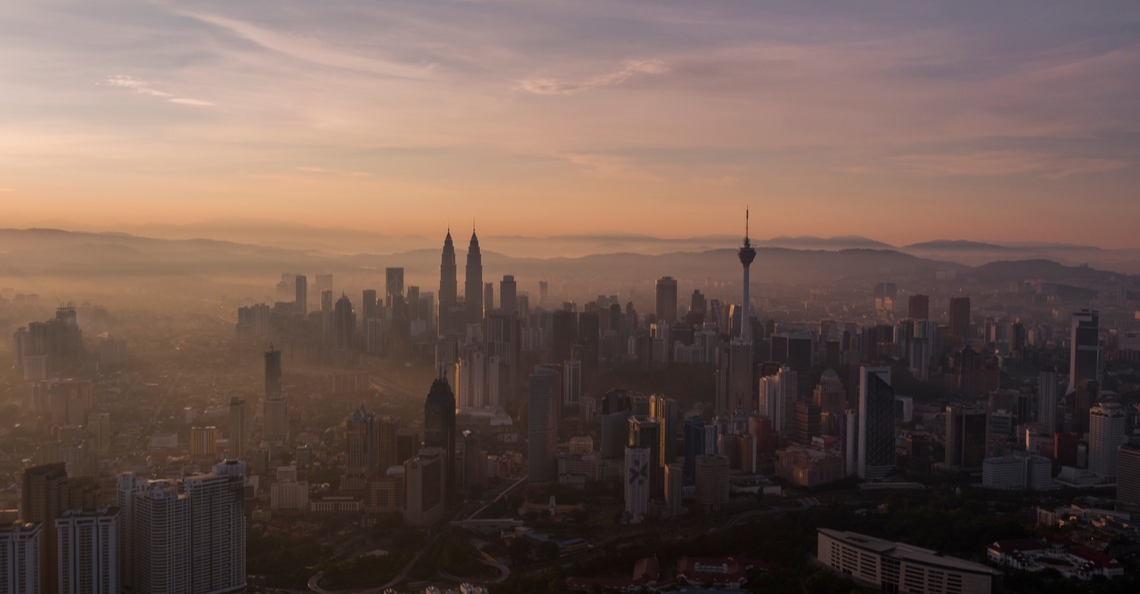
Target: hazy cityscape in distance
508,298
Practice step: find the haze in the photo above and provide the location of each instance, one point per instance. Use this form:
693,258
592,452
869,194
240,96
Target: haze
1008,122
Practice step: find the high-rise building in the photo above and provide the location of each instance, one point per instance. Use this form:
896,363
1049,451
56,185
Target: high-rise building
543,292
829,394
571,382
1048,397
1084,353
89,551
161,537
638,480
664,410
473,287
777,399
217,530
666,299
393,286
876,423
448,290
99,426
674,489
959,315
204,441
424,480
276,414
508,295
239,428
43,497
735,376
344,324
711,483
369,308
919,307
645,432
385,444
407,444
359,441
302,295
20,557
1128,475
1106,434
488,298
966,435
439,430
806,424
694,446
542,425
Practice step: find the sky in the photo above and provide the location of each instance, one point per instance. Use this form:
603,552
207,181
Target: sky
899,121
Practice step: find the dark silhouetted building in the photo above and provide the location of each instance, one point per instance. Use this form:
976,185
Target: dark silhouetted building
919,307
439,429
448,297
473,287
959,330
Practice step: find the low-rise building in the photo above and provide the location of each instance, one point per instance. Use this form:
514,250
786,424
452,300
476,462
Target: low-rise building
1071,561
899,567
808,466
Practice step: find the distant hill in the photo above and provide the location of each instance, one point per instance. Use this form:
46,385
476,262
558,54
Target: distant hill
954,244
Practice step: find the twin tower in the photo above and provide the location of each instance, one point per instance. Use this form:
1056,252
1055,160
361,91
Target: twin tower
453,317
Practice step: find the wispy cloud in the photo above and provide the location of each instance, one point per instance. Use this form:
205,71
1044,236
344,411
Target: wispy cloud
313,51
340,172
551,86
1007,162
143,88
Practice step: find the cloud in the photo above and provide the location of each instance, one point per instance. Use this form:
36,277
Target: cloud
135,85
143,88
314,52
340,172
1003,162
550,86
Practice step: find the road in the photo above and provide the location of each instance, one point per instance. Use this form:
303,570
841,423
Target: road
314,582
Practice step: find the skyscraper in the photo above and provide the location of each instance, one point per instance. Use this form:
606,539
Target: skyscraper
571,382
239,428
447,289
302,295
488,298
276,406
508,295
1106,434
747,254
876,423
638,480
645,432
43,498
543,292
666,299
439,429
542,425
829,395
369,308
393,285
20,550
424,479
664,410
1048,393
959,314
359,439
919,307
966,435
694,446
161,539
344,324
473,288
1084,353
217,530
88,551
1128,475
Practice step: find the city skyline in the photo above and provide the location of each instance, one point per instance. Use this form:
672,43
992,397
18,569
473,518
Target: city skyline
917,122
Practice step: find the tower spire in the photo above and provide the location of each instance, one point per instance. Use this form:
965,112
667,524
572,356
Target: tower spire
746,226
